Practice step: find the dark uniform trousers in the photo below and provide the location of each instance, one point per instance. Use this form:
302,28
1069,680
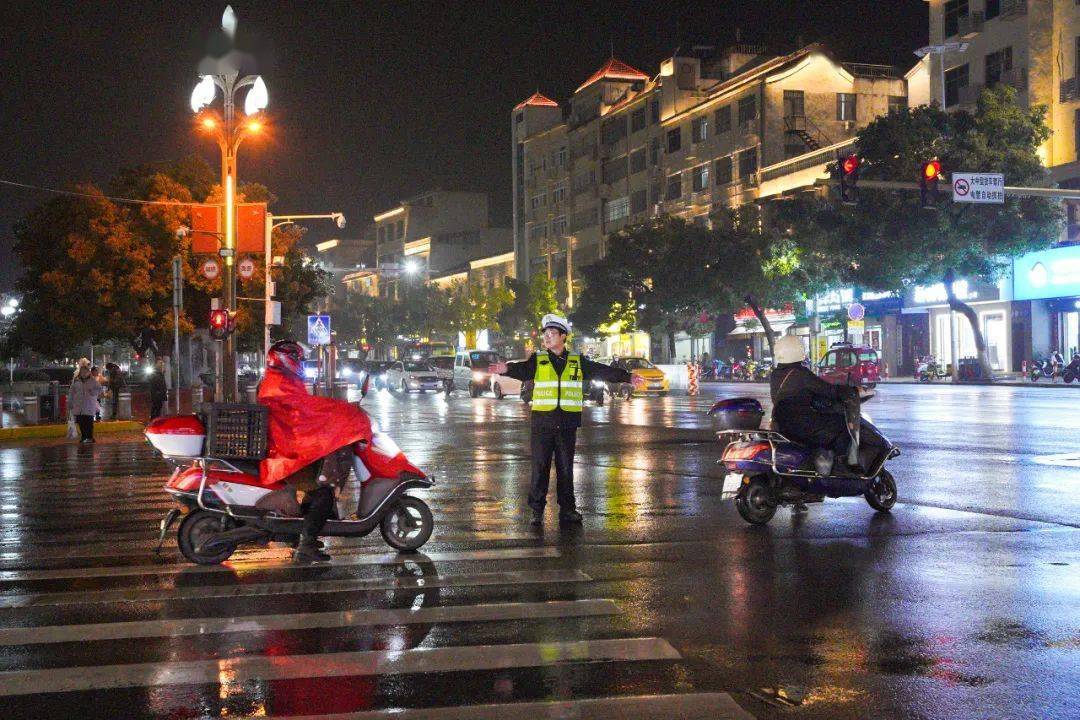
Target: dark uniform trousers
546,443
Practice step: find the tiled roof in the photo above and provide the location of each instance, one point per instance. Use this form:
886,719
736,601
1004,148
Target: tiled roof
614,70
537,99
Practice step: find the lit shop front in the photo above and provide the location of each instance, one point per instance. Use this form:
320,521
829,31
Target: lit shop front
1049,280
947,330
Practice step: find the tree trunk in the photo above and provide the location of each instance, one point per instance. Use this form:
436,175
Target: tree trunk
770,336
671,345
973,319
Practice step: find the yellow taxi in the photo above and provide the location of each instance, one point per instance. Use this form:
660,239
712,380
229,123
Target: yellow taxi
656,382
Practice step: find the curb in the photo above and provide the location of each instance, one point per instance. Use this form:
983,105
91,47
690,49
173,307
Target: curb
50,431
985,383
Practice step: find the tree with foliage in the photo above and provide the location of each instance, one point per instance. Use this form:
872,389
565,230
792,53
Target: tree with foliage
529,302
887,242
97,270
474,307
362,318
88,276
659,276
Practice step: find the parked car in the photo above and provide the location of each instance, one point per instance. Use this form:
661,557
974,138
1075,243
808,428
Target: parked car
471,370
444,369
377,370
847,364
412,376
656,383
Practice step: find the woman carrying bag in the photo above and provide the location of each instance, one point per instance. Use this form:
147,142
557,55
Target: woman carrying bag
83,400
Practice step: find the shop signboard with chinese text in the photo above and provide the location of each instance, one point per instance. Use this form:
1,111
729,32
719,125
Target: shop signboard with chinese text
1045,274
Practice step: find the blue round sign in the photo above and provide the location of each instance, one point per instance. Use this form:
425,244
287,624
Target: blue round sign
856,311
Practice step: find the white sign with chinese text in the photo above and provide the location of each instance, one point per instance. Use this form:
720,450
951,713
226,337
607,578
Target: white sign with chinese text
978,187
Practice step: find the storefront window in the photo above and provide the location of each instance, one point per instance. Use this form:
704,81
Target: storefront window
1070,334
994,332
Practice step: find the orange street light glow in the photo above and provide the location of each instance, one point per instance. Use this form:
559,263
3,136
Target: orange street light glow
209,123
254,126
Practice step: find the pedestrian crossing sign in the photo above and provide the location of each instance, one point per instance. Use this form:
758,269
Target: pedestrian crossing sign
318,329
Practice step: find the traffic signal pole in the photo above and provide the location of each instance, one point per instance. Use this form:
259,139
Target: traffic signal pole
1061,193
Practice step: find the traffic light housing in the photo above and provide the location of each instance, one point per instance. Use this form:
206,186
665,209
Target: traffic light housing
929,177
222,323
849,178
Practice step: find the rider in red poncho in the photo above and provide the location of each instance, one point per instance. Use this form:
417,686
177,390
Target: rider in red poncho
303,430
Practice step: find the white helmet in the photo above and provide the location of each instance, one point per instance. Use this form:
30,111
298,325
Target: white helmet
789,349
556,321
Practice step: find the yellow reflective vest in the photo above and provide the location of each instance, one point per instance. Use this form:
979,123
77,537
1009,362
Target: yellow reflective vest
553,391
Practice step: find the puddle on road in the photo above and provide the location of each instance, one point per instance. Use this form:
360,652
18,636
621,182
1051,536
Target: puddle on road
896,654
1009,632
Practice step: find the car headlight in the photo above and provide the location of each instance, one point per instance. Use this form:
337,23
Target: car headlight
478,376
347,372
311,373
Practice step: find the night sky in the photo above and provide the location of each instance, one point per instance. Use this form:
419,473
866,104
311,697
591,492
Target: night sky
369,102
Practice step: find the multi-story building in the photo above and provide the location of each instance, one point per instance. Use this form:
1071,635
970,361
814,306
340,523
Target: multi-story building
709,131
435,234
1033,45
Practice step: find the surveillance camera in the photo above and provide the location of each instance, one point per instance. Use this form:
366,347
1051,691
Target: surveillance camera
340,220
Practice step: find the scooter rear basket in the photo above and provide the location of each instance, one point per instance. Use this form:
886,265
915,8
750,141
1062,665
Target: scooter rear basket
236,431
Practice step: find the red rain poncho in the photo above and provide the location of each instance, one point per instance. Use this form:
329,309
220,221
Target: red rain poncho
304,428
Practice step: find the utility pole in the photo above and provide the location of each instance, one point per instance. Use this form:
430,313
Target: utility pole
178,301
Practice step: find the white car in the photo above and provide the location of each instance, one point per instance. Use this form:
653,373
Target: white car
412,376
501,385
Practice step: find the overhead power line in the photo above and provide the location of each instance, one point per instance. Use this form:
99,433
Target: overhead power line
73,193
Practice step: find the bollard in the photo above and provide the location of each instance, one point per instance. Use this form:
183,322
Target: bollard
691,379
106,409
123,412
31,410
251,392
341,390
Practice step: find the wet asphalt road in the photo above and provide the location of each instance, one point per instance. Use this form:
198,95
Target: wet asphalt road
964,602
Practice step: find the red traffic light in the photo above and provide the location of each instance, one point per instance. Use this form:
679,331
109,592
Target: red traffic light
931,170
221,324
850,164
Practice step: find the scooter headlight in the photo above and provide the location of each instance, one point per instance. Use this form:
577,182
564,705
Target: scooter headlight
599,384
478,377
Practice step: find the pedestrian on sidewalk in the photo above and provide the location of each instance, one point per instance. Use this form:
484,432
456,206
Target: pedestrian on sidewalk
559,379
159,391
83,400
117,382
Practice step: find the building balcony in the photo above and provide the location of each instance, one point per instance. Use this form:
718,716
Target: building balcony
1017,77
1070,90
1013,8
869,70
971,24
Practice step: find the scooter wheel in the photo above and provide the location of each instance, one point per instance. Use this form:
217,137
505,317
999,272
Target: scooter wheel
755,503
195,529
408,524
881,495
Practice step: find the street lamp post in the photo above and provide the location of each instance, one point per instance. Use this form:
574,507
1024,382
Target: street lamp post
941,50
226,74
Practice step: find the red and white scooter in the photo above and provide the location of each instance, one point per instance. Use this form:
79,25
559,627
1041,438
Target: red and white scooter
225,505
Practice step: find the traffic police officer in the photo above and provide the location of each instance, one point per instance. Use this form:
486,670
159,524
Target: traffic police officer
560,378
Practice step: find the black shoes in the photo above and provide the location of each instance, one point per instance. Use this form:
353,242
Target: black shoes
568,516
308,551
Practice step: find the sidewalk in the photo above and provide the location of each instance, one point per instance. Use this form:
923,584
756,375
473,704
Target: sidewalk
59,430
1007,381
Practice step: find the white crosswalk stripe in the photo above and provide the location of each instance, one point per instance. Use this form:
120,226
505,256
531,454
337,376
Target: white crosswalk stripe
90,609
